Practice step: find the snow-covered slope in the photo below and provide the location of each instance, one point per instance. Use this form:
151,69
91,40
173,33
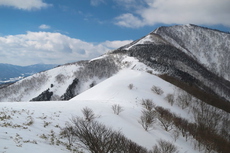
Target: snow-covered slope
188,55
209,47
49,116
35,127
18,134
34,85
63,82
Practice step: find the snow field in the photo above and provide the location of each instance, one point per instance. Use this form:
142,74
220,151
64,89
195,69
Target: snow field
100,99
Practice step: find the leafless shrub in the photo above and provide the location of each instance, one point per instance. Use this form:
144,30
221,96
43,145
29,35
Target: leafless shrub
157,90
130,86
147,104
175,135
117,109
88,114
165,147
46,124
68,133
149,71
29,121
183,100
147,119
165,117
170,98
97,138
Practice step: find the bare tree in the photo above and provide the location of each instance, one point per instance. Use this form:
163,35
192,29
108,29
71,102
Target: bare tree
165,117
170,98
68,133
175,135
208,116
184,99
164,147
117,109
88,114
148,104
147,119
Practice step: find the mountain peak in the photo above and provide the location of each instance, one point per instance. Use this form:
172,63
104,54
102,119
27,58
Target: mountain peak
209,47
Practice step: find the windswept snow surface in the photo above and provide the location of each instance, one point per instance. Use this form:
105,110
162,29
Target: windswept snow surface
100,99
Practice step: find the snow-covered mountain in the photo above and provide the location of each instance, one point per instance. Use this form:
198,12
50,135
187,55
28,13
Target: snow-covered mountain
208,47
188,96
12,73
63,82
182,65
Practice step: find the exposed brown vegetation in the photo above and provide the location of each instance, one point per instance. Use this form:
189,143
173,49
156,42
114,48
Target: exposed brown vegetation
206,136
208,98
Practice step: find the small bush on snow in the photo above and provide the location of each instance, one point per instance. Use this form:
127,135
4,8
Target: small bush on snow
117,109
170,98
88,114
157,90
130,86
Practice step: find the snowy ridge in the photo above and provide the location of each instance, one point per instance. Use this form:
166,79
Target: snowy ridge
63,82
30,87
209,47
149,39
192,54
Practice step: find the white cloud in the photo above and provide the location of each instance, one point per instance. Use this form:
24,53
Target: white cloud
25,4
53,48
129,20
44,26
115,44
206,12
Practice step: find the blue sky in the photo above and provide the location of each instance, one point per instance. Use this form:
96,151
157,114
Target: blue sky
61,31
93,22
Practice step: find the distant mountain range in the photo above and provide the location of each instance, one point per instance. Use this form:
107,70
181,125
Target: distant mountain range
11,73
